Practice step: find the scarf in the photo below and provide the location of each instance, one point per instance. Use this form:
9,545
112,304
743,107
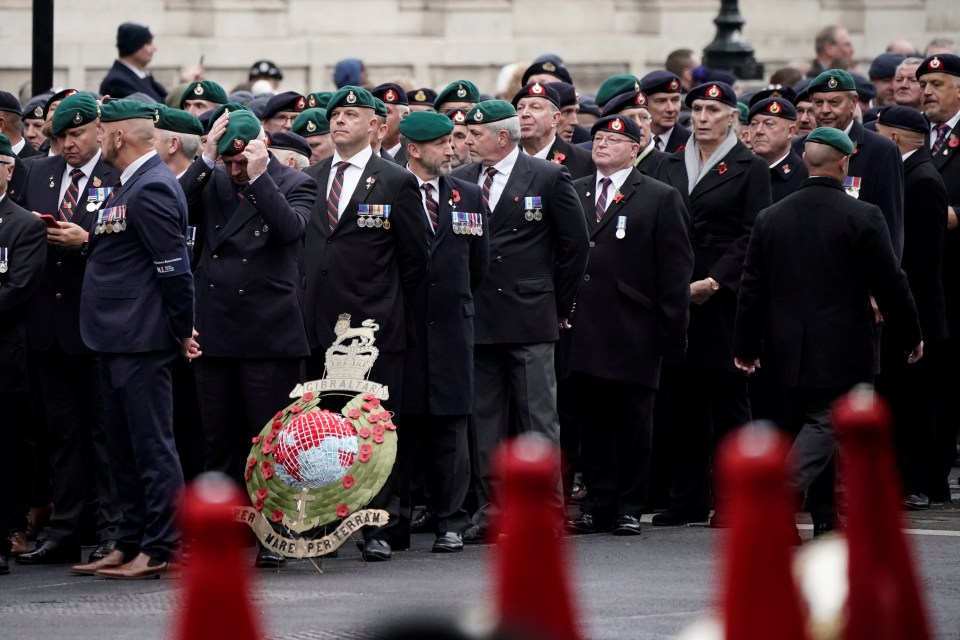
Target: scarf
691,158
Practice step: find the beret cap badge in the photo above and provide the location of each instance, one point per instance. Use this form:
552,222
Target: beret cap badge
461,92
311,127
156,116
238,144
935,63
420,96
390,96
77,119
713,91
536,89
616,125
549,67
832,83
301,103
641,100
198,90
38,112
774,107
674,85
351,97
459,116
478,116
312,101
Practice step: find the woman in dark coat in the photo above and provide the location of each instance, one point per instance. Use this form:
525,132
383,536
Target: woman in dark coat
724,187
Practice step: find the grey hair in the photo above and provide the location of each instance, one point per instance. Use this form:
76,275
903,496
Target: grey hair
511,125
189,142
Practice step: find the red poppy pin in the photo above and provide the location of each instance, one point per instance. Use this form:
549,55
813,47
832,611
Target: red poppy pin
370,182
559,157
681,147
454,197
954,141
617,197
722,168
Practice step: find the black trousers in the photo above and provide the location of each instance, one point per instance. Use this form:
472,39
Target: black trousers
138,420
948,418
813,455
14,425
79,457
706,404
187,422
237,397
616,444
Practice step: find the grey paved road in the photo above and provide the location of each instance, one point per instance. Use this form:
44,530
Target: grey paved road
627,588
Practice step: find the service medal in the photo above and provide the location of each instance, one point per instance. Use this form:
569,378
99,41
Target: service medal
92,206
537,215
377,222
621,227
528,215
386,224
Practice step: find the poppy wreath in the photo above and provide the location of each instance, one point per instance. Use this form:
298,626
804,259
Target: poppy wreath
377,439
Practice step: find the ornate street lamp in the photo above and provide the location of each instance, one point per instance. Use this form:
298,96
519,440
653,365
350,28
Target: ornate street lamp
729,51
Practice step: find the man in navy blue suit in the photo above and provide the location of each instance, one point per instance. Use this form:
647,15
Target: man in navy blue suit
438,374
128,74
136,312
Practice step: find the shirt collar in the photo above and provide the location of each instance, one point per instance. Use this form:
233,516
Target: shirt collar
140,72
505,166
617,178
18,147
87,169
952,122
135,166
542,154
435,183
776,164
359,159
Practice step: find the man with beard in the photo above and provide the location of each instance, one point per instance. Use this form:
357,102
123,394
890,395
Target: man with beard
806,117
458,139
438,372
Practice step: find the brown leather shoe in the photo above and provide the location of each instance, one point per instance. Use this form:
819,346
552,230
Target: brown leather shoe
18,543
37,519
141,567
113,559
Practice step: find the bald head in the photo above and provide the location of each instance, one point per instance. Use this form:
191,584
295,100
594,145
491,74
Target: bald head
822,160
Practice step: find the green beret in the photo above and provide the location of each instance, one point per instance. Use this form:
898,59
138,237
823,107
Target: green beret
312,122
490,111
75,110
833,137
423,126
230,107
243,127
204,90
176,120
6,149
380,107
351,96
832,80
458,91
319,99
118,110
744,113
615,85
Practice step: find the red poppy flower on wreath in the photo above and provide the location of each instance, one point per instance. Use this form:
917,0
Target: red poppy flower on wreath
364,456
373,418
367,406
258,505
257,440
296,408
262,493
722,168
390,426
277,516
267,448
353,414
378,439
378,429
455,195
364,432
307,397
251,463
384,416
272,437
348,481
247,475
343,511
617,197
278,416
277,425
267,469
559,157
367,397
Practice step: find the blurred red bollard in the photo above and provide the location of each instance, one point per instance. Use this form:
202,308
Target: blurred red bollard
532,579
760,600
884,601
216,580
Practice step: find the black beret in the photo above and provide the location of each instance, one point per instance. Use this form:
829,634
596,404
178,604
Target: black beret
288,141
787,93
588,105
548,67
660,81
903,118
537,90
458,116
565,91
885,66
617,124
718,91
34,109
866,90
265,68
390,93
940,63
9,102
423,95
57,97
779,107
286,101
624,101
131,37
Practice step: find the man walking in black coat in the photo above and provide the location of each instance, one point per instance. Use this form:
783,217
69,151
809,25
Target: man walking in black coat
813,261
631,311
128,74
438,371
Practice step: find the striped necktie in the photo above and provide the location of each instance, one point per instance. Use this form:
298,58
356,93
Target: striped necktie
487,183
71,196
602,198
658,143
333,198
433,209
941,141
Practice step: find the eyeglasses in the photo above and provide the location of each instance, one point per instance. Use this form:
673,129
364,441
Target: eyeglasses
282,119
598,140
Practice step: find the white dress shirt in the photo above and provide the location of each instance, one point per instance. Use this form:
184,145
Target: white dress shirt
504,169
351,175
87,171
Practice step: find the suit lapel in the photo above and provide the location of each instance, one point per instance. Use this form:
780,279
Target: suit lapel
97,180
319,216
615,207
360,193
677,172
725,170
51,203
444,217
515,189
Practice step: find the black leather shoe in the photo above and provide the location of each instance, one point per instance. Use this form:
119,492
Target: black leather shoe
449,542
269,559
627,526
103,550
585,523
375,550
51,552
424,522
672,518
917,502
474,534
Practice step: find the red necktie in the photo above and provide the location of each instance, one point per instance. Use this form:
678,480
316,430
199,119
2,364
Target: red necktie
433,209
333,199
487,183
602,198
71,196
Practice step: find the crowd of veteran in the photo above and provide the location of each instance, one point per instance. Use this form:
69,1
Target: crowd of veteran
630,273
